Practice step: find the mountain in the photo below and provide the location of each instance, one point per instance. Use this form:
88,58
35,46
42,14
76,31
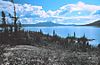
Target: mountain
44,24
96,23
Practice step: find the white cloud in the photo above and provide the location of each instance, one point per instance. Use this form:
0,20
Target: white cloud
23,9
27,20
68,13
77,13
31,10
53,13
80,6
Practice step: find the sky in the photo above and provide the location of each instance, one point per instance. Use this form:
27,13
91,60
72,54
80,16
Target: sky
55,4
57,11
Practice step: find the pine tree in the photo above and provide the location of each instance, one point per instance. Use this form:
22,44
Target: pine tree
74,34
4,21
54,33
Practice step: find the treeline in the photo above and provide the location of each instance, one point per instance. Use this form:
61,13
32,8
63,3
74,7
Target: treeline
39,39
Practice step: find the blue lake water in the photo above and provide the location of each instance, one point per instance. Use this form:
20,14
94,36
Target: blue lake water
63,31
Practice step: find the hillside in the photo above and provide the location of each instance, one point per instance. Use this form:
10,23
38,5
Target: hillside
36,48
96,23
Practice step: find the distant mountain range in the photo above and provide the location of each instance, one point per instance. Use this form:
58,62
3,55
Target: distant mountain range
44,24
96,23
50,24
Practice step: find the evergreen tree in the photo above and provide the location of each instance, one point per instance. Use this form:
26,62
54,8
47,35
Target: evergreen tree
41,31
54,33
4,21
99,46
74,34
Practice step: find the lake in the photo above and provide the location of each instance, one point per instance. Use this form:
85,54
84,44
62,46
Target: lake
63,31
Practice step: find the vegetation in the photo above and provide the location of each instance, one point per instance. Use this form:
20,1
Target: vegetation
19,47
9,27
36,48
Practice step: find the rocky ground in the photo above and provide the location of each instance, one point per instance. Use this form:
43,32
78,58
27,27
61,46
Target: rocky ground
32,55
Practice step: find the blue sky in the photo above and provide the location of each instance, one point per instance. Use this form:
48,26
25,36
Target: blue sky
58,11
55,4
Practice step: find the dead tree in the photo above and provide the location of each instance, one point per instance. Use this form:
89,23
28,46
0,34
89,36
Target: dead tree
15,18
